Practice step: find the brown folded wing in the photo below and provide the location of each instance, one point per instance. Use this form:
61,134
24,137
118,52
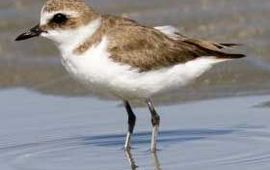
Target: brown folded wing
146,48
149,49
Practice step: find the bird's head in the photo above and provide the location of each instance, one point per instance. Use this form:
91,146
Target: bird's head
61,21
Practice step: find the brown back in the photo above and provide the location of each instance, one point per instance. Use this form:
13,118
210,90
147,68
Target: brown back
147,48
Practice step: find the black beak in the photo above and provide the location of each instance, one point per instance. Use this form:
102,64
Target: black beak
33,32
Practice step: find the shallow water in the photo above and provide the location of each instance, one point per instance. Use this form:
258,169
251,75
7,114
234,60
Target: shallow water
55,133
48,121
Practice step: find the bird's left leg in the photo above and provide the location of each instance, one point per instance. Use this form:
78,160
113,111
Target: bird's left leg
155,122
131,125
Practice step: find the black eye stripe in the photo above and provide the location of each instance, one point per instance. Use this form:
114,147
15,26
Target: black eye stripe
59,18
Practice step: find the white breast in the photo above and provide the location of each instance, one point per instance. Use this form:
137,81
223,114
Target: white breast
102,75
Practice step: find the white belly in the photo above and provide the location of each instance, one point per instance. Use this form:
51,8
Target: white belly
95,69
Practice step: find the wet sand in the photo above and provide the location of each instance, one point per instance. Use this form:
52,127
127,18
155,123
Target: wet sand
59,133
221,121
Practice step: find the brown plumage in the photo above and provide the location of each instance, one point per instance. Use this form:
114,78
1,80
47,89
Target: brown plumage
141,47
86,13
147,48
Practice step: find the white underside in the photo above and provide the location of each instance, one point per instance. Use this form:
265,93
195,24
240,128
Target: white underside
103,76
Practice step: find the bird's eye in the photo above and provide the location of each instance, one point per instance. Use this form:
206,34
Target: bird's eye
59,18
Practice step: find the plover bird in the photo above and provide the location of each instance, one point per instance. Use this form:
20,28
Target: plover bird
120,57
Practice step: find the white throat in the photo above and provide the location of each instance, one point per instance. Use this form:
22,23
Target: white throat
68,40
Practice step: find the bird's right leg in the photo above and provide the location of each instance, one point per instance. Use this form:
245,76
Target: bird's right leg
155,122
131,125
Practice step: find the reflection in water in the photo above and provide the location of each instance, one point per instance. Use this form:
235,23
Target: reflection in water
166,137
96,143
155,160
131,160
134,166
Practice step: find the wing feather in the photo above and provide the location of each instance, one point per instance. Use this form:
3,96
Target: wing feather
147,48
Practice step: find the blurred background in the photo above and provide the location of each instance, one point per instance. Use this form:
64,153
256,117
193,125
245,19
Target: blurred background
36,64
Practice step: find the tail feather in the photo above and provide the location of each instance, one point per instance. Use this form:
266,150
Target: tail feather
225,45
214,49
223,55
231,56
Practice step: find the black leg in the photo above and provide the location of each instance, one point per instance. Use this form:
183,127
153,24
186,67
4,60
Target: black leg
131,124
131,117
155,118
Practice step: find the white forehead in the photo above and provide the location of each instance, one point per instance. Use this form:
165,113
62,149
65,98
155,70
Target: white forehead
46,16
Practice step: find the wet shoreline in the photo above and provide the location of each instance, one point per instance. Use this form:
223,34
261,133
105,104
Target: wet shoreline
56,133
220,121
